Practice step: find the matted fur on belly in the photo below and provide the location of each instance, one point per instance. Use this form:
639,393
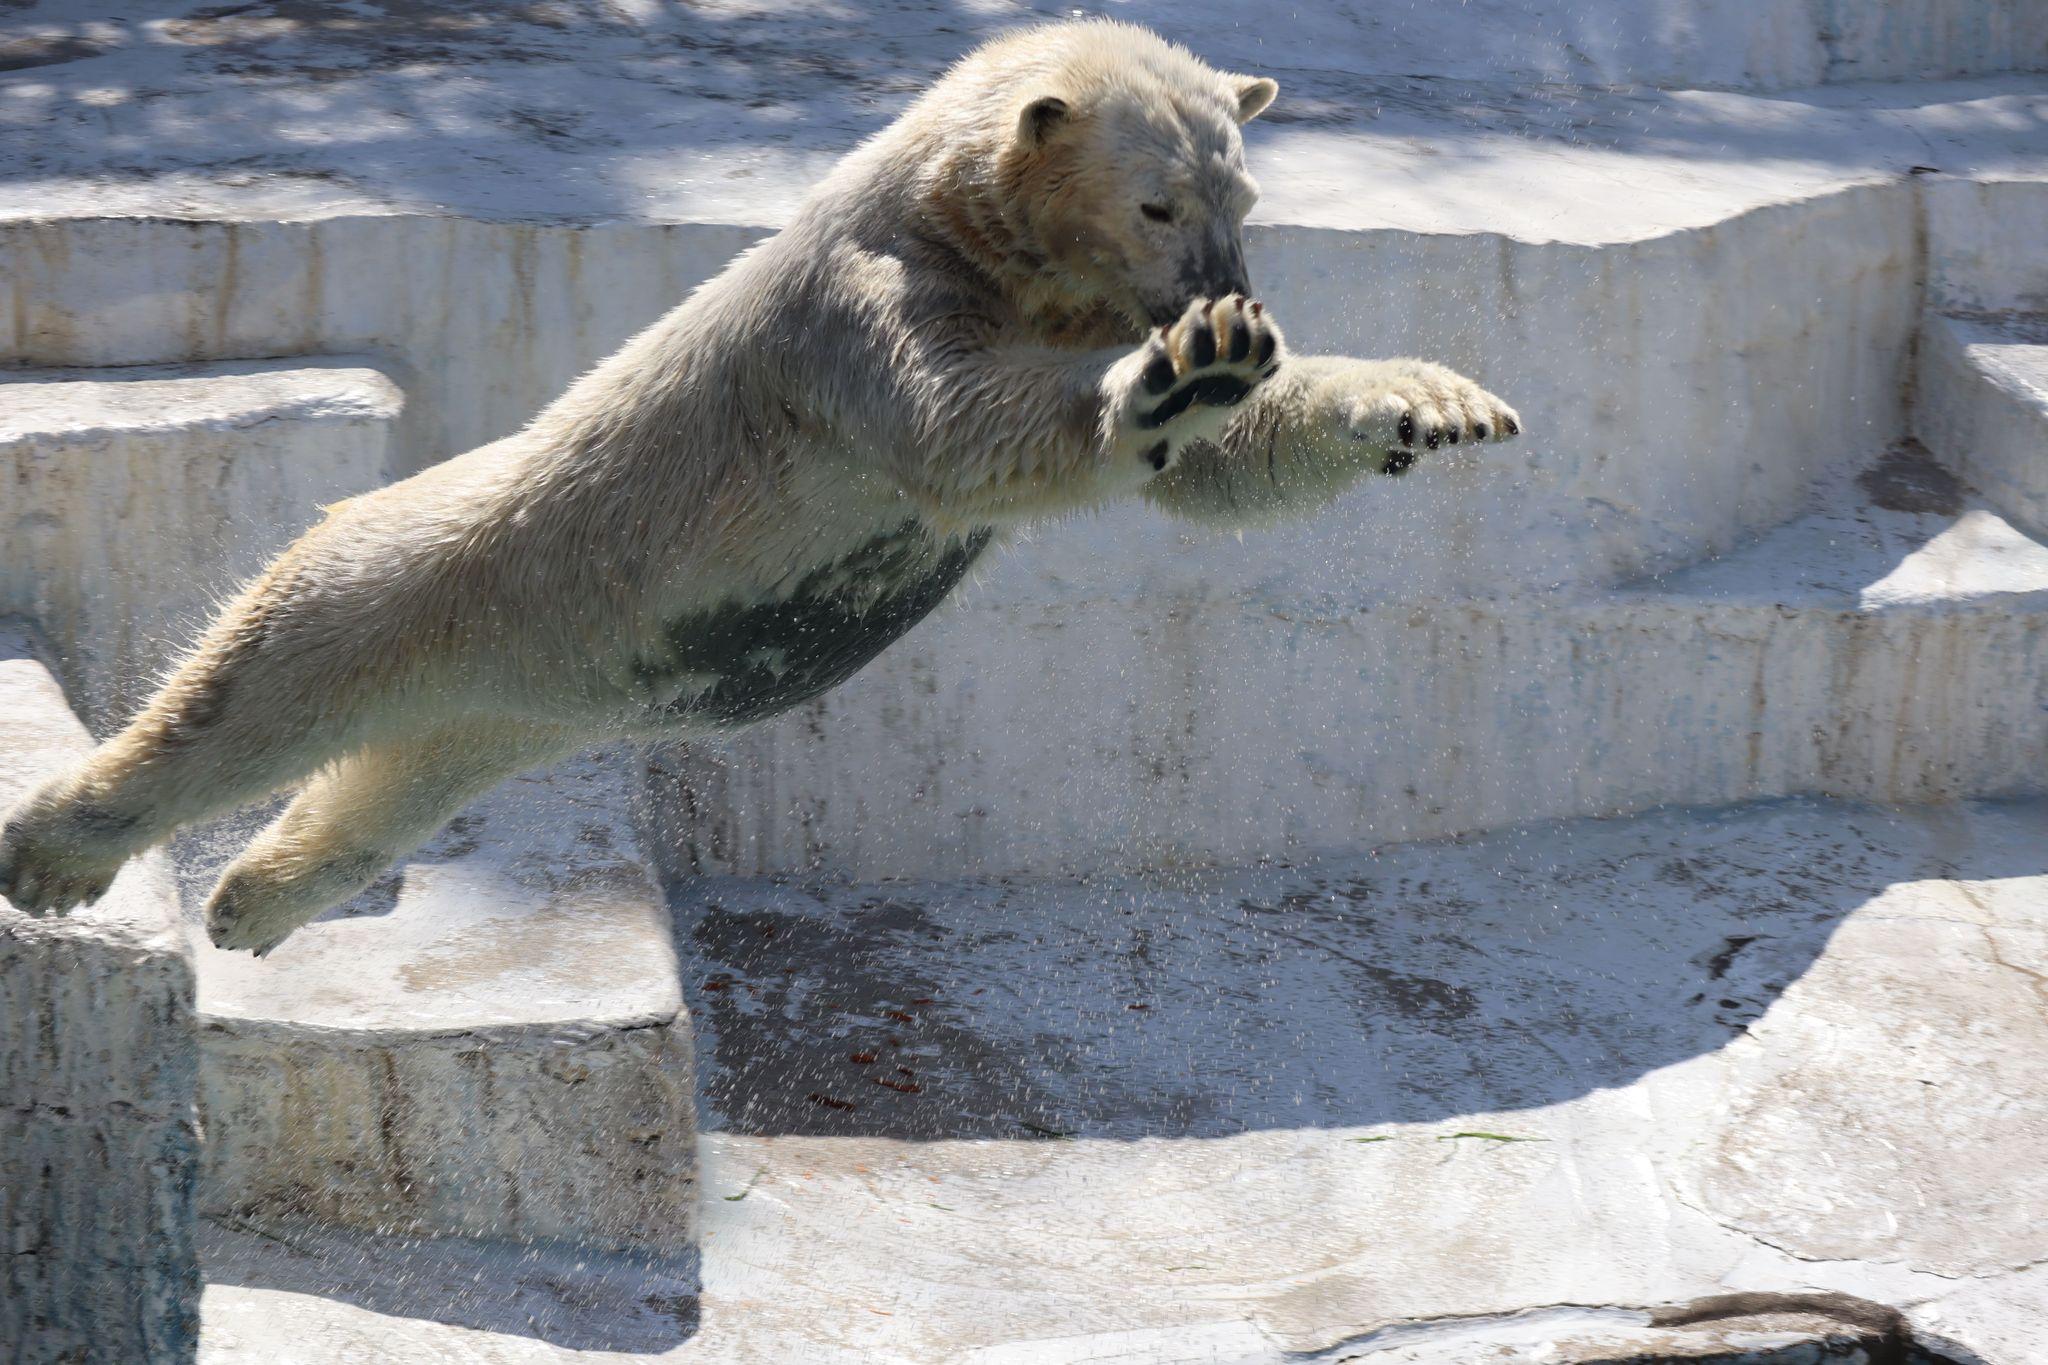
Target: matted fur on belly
745,661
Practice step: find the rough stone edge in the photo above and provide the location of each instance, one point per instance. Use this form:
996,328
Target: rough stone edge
97,1106
543,1135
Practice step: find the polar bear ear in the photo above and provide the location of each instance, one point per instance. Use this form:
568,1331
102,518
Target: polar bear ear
1040,118
1253,93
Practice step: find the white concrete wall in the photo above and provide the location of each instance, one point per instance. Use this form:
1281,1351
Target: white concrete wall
98,1068
1987,251
1758,44
1003,739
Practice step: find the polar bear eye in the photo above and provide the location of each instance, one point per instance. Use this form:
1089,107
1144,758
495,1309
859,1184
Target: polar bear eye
1158,213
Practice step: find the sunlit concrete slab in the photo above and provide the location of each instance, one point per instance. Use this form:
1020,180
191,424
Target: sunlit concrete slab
1534,1096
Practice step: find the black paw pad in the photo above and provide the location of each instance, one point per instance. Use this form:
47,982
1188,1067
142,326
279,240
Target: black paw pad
1266,348
1215,390
1159,375
1407,430
1240,340
1202,346
1156,456
1399,462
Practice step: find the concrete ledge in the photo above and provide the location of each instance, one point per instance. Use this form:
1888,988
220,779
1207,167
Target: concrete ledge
98,1065
139,496
1983,407
490,1043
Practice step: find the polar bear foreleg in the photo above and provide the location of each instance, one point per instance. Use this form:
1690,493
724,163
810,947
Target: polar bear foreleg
359,815
1018,434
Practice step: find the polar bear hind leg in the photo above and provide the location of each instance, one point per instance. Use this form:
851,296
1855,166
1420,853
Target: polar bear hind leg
359,815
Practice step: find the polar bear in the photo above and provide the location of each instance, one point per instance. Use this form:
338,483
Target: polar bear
1026,297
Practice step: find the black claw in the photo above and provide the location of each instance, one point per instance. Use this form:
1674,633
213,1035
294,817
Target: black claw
1159,375
1240,339
1202,346
1407,429
1399,462
1156,456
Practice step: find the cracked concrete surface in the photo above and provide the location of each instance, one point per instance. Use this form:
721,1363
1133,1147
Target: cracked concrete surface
1376,1109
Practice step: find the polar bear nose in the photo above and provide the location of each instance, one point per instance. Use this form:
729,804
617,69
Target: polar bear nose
1219,272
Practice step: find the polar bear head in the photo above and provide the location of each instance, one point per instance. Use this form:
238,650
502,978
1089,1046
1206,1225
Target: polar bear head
1117,165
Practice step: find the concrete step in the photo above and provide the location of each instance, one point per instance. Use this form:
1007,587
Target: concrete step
1983,407
1396,1107
99,1156
1891,646
488,1043
138,496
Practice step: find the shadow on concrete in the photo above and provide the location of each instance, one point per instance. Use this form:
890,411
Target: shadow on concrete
575,111
569,1297
1434,982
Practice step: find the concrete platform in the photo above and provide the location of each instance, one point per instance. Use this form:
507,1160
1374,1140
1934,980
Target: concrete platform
488,1043
140,497
1452,1103
1984,406
99,1154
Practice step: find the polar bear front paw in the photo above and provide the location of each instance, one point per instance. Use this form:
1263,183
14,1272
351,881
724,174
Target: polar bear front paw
1414,402
1199,368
